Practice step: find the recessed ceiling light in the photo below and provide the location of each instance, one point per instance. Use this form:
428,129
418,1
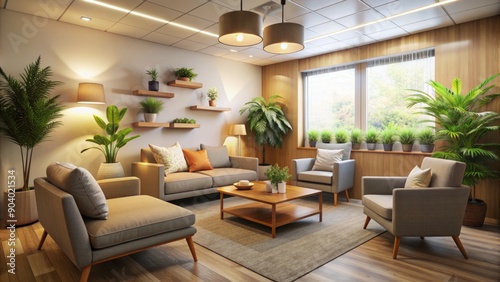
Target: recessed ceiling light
232,50
87,19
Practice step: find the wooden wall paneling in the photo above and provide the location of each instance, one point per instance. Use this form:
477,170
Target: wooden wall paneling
469,50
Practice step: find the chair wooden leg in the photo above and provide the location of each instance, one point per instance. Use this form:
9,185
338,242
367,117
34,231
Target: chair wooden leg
85,273
347,195
335,195
422,237
191,247
395,250
367,220
460,246
42,240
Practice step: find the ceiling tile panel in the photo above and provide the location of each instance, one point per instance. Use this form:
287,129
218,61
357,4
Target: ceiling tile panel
309,19
470,15
161,38
52,10
460,6
428,24
128,30
181,6
210,11
343,9
388,34
315,4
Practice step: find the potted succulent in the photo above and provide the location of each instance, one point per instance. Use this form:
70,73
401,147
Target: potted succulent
150,107
278,177
326,136
388,136
313,136
111,142
407,137
212,96
269,124
186,74
371,138
356,138
426,139
153,84
462,124
341,136
28,114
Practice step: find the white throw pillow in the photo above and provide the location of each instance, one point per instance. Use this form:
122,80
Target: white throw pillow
326,158
171,157
419,178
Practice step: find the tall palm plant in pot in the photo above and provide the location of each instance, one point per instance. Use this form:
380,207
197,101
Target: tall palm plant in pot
462,125
267,121
28,114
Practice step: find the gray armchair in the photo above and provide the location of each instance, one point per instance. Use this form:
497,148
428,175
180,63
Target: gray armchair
437,210
339,179
128,222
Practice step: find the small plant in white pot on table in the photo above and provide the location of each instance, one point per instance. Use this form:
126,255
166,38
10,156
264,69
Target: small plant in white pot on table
278,177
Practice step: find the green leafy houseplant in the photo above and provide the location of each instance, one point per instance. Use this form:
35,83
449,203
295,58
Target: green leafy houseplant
150,105
184,120
185,72
114,139
356,137
407,136
372,136
27,112
326,136
267,121
341,136
462,125
212,94
153,84
153,74
426,136
277,175
313,136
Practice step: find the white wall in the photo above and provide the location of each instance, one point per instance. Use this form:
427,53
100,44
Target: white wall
77,54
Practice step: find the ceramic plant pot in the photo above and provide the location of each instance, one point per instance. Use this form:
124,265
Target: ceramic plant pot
153,85
110,170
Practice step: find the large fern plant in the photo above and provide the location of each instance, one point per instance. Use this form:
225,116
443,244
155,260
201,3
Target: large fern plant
267,121
28,113
462,124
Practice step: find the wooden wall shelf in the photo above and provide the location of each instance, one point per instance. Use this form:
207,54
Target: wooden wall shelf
184,125
165,124
153,93
208,108
185,84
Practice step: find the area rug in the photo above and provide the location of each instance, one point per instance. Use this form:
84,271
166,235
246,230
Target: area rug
298,248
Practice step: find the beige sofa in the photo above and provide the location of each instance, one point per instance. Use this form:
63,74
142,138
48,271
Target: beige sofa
227,170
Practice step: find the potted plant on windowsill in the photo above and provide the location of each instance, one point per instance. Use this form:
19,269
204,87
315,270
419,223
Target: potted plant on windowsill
278,177
153,84
426,139
463,127
371,138
150,107
341,136
268,123
388,136
212,96
356,138
111,142
326,136
312,136
186,74
407,137
27,117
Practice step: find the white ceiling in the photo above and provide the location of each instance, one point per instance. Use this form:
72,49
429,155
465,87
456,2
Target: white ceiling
319,17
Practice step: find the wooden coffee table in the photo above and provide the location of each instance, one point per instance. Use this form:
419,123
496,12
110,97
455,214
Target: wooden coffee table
270,209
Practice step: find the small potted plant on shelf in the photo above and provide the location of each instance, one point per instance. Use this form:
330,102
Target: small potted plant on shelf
407,137
278,177
371,138
426,139
356,138
341,136
326,136
153,84
312,136
150,107
212,96
185,74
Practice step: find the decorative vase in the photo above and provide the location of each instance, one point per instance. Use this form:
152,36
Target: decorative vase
356,146
269,186
388,147
153,85
407,147
149,117
212,103
371,146
427,148
24,207
282,187
110,170
475,213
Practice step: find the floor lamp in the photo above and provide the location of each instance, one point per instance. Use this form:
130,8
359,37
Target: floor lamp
238,130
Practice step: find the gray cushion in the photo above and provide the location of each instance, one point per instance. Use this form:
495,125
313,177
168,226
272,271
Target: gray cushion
126,224
334,146
380,204
82,186
217,155
186,181
324,177
228,176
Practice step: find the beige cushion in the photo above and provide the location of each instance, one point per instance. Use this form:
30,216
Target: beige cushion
419,178
82,186
324,177
380,204
325,159
217,155
136,217
337,146
171,157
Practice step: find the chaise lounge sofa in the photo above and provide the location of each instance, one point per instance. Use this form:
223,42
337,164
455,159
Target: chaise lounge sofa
225,170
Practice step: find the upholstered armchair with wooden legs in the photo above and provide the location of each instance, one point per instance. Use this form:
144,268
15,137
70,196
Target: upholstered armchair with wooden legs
116,222
435,209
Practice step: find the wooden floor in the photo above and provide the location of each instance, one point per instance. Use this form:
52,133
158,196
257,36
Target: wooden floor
431,259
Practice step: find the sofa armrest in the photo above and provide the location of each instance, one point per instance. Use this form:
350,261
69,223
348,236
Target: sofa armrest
120,187
152,178
245,163
434,211
300,165
382,185
343,175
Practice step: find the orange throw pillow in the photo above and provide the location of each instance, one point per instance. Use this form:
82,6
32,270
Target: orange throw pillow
197,160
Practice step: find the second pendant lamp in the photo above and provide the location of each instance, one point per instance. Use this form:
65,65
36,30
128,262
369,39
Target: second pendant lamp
283,38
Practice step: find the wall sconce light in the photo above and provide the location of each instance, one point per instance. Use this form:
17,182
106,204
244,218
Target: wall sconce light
283,38
90,93
240,28
238,130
